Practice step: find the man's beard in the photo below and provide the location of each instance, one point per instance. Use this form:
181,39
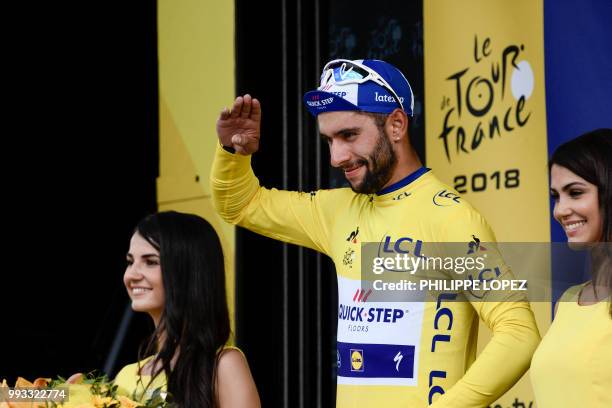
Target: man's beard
379,166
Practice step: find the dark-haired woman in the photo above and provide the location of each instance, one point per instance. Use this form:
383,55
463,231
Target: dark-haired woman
175,273
572,367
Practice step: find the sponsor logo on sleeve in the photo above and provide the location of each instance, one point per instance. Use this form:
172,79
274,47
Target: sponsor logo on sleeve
445,198
474,245
353,236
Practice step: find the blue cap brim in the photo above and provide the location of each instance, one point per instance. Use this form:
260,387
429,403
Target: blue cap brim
320,102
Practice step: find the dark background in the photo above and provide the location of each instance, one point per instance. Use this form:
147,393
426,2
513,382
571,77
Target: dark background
80,157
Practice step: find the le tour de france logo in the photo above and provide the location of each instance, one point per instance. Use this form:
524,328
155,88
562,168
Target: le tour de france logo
486,100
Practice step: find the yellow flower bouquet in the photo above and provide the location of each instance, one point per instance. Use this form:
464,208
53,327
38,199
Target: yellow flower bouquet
91,391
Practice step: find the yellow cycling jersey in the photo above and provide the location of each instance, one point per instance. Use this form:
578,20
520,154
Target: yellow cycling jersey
402,353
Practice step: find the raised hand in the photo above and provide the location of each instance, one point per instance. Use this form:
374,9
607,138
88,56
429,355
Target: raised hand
239,127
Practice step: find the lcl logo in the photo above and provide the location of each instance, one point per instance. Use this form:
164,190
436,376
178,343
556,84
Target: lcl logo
445,198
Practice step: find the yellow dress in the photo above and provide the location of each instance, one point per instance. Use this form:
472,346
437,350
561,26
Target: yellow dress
572,367
140,387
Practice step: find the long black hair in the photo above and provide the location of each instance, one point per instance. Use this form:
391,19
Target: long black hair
194,324
590,157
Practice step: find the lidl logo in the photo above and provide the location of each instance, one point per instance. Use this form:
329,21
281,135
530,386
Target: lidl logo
357,360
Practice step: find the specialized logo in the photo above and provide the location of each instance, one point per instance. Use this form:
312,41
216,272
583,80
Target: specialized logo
353,236
445,198
398,359
474,245
357,363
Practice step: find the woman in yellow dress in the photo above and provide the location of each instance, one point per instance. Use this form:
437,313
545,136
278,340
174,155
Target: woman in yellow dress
572,367
175,273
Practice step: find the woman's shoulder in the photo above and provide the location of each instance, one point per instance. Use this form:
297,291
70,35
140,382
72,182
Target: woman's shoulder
572,293
234,380
570,297
230,360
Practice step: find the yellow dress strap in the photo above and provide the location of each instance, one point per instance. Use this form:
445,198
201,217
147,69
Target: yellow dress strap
228,347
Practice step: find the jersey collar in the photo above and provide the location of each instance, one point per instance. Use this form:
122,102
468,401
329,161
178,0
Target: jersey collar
403,182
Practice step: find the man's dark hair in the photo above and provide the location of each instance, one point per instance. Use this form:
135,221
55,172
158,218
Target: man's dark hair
379,119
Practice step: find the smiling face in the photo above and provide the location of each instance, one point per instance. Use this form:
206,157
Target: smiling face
576,206
143,278
359,148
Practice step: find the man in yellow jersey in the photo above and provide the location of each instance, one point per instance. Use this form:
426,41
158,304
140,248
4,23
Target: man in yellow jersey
390,354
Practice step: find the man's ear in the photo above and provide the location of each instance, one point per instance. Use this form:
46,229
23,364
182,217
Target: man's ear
397,124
